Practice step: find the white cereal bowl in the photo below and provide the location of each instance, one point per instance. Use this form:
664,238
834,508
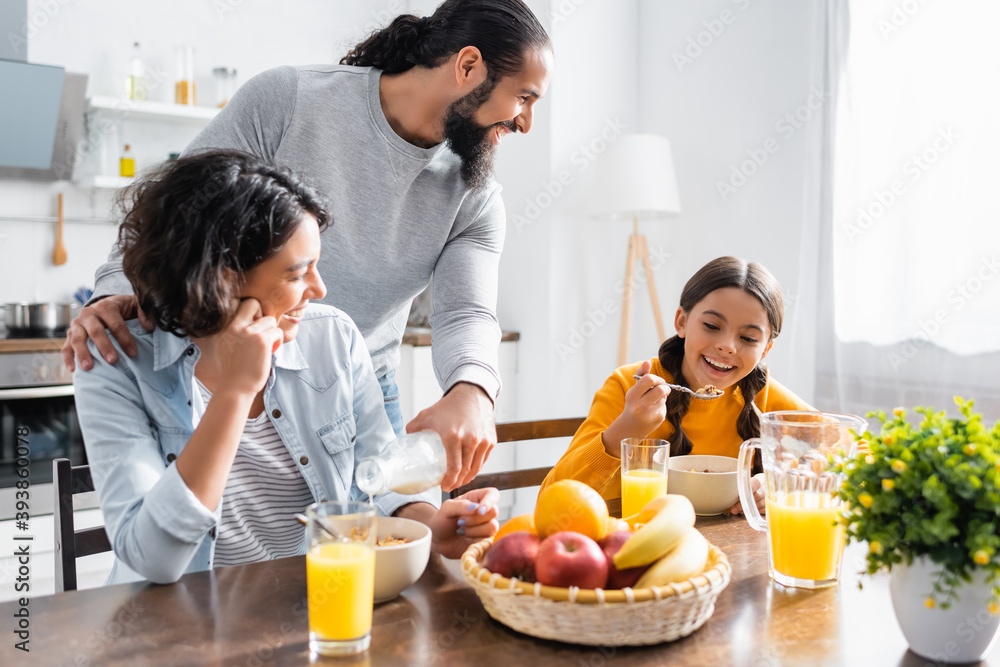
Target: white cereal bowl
398,566
710,492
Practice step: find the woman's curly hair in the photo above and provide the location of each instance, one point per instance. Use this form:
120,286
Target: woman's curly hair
192,228
502,30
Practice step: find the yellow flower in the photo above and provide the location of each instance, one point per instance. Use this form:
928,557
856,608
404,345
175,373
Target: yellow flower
898,466
929,603
875,548
993,609
888,440
865,499
888,485
899,412
981,557
969,449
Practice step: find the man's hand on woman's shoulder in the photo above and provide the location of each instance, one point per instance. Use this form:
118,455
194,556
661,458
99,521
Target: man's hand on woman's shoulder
94,322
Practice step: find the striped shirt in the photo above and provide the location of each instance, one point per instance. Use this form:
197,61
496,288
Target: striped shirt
264,492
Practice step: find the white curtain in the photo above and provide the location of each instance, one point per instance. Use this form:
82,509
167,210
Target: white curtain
910,232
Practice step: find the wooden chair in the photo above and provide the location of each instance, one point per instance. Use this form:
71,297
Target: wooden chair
71,543
519,432
519,479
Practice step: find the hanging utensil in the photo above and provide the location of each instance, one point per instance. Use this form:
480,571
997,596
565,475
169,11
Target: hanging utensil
59,252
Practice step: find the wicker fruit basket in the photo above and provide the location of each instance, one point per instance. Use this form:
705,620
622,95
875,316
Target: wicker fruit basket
628,617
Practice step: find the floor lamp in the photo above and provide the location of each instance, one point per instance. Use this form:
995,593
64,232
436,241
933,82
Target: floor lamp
636,181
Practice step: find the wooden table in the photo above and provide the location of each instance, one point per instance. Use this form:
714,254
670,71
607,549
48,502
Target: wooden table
256,614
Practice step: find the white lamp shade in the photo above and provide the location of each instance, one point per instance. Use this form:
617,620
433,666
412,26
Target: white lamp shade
636,179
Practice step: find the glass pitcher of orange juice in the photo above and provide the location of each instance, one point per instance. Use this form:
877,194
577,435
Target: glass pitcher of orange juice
806,536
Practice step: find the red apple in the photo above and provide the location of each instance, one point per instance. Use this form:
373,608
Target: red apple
568,558
513,555
619,578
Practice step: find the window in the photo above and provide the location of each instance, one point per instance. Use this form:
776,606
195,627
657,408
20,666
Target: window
916,209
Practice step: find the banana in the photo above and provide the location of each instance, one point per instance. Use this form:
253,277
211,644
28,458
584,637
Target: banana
685,560
651,509
660,534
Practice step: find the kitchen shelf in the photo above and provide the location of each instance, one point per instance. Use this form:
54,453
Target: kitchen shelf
106,182
151,111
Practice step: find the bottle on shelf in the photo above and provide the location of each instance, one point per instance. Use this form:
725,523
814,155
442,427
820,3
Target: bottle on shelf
184,89
225,85
135,82
127,162
414,462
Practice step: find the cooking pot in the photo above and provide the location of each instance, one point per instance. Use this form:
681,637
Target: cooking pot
39,317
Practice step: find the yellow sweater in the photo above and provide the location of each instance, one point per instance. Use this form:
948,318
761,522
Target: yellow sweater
710,425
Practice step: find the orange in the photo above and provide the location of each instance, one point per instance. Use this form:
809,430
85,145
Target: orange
516,523
571,505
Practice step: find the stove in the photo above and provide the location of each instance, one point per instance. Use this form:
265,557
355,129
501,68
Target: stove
7,334
31,361
36,396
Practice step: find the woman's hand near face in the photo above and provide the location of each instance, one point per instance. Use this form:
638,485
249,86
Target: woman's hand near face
645,409
246,347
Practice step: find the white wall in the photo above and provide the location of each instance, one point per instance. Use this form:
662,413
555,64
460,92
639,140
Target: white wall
755,68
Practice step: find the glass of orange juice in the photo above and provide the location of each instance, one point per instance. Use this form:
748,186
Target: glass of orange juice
806,535
644,472
340,576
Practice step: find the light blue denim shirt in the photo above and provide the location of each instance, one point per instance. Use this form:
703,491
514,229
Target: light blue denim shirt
137,415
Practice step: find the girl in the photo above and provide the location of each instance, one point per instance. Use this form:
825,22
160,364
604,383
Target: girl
244,404
730,313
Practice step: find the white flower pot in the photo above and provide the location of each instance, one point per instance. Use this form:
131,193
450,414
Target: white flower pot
963,633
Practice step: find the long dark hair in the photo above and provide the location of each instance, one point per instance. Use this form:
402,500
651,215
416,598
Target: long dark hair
192,225
756,281
502,30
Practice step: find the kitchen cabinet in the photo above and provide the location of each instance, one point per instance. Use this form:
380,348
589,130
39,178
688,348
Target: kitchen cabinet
418,386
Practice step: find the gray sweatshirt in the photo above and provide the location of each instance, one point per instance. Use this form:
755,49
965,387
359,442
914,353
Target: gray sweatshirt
401,213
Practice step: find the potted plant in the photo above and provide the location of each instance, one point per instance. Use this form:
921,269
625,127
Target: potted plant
926,499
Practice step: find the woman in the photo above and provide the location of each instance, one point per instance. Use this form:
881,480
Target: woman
244,403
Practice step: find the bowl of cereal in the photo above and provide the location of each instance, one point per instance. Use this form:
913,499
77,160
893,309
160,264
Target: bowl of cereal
402,547
709,482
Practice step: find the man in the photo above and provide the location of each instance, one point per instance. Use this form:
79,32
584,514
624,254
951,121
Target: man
400,138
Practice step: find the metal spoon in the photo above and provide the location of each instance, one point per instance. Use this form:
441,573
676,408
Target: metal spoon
326,529
704,397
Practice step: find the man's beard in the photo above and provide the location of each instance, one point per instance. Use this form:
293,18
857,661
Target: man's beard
468,139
